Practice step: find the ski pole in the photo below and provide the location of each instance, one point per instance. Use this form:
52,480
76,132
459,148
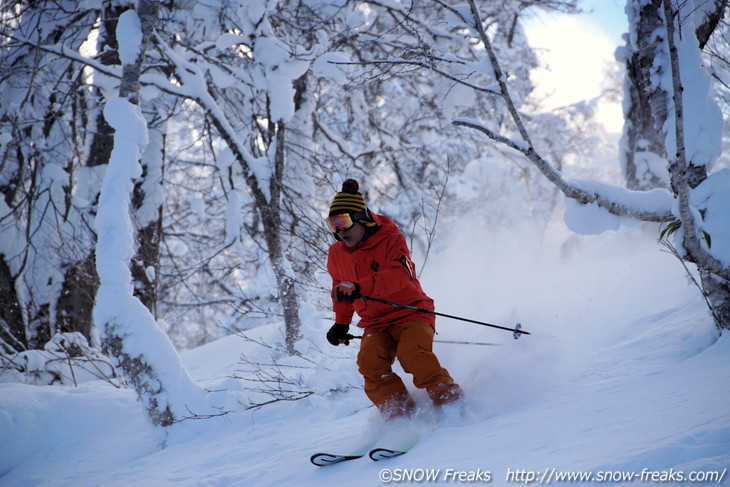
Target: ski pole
516,330
358,337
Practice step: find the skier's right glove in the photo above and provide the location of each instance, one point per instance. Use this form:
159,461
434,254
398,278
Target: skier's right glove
338,334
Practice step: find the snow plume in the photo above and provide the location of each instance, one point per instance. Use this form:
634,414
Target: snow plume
563,289
131,334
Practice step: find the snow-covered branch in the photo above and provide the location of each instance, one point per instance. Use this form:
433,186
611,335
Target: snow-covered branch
637,209
64,52
655,205
193,86
490,89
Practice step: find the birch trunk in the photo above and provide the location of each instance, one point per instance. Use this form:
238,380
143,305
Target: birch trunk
686,176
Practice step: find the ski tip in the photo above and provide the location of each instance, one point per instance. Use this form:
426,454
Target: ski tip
378,454
325,459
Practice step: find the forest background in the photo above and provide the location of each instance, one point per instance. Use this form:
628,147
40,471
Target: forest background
166,166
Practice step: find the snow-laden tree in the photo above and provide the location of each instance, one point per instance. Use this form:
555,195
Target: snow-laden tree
693,130
673,134
685,115
408,73
230,61
253,61
48,179
129,331
253,125
56,145
644,157
717,61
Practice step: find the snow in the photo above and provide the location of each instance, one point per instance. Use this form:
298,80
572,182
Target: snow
702,117
117,240
129,34
117,312
326,66
234,219
623,372
226,41
590,219
280,70
456,97
713,196
484,66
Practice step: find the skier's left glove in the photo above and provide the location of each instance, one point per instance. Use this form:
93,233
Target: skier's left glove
347,291
338,334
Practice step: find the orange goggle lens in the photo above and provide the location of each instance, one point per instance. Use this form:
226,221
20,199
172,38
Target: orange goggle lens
344,221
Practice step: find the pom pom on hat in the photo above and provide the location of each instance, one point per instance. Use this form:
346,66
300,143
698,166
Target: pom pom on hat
349,200
351,186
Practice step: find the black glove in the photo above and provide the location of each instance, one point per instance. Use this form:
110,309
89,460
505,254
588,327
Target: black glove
347,291
338,334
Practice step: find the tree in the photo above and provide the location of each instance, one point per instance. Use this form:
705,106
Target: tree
699,211
408,71
46,185
248,101
701,198
130,333
644,154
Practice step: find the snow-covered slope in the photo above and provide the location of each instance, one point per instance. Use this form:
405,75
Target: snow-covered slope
623,374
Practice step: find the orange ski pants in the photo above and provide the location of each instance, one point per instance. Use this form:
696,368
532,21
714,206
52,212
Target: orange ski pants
411,343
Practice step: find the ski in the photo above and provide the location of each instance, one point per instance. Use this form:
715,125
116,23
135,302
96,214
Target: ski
377,454
325,459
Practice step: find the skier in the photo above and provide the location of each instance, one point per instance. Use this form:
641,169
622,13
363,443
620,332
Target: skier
371,258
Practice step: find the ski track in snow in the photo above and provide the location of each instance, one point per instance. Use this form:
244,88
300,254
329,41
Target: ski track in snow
647,389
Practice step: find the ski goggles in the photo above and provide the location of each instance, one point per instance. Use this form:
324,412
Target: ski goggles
345,221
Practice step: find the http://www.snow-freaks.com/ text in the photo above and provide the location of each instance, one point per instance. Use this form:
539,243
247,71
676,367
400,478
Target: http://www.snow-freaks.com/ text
547,476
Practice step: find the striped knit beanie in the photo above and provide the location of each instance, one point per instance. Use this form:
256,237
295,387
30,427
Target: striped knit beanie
349,200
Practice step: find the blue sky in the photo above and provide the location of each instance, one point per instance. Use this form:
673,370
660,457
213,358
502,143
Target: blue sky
576,52
609,15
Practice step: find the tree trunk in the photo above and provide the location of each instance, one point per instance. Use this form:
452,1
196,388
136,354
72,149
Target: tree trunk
686,177
646,107
717,291
160,380
12,327
288,299
147,208
103,140
270,212
75,306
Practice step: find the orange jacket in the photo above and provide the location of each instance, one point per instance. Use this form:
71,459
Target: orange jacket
382,266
